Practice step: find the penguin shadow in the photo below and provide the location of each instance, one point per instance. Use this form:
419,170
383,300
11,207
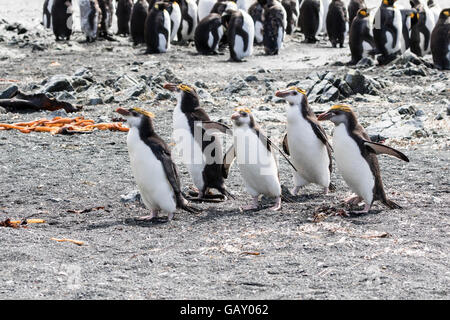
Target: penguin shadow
135,221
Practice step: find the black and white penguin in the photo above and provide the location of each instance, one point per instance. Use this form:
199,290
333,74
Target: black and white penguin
151,164
137,21
407,22
440,41
305,133
254,157
292,11
353,7
240,31
123,13
337,23
208,34
435,9
422,27
90,16
204,8
311,19
47,14
256,11
157,28
223,5
360,40
62,19
197,141
326,5
387,31
106,6
175,18
189,20
274,27
356,158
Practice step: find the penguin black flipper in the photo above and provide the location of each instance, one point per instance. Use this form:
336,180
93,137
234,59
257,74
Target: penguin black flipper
214,125
285,145
228,160
162,153
269,144
379,148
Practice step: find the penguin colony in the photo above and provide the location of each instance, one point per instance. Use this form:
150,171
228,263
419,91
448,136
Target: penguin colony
385,31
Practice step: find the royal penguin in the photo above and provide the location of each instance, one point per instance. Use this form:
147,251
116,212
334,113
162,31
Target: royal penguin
204,8
62,19
387,31
337,23
90,16
306,142
256,11
356,158
198,142
440,41
292,11
422,27
353,7
208,34
189,20
157,28
255,159
274,27
240,33
47,14
123,13
360,40
152,166
311,19
137,21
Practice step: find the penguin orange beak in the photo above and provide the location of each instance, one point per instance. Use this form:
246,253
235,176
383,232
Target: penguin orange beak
123,112
324,116
235,116
282,93
170,86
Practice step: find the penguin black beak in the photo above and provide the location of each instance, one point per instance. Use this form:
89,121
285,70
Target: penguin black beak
123,112
170,86
324,116
282,94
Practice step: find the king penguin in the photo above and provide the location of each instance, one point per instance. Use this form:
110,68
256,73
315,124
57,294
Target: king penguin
353,7
123,13
387,31
204,8
62,19
421,29
175,18
311,19
254,157
208,34
152,166
356,158
240,33
137,21
337,23
157,28
198,143
274,27
306,142
360,40
189,20
90,16
47,14
256,11
440,41
292,11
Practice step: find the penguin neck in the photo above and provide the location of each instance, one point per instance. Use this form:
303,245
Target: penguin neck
146,128
188,102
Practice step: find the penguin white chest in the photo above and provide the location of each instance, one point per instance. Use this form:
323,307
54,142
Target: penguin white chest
308,153
156,191
163,42
256,164
187,147
354,168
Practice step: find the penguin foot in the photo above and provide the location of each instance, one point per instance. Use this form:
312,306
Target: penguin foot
277,206
353,200
295,190
365,210
253,206
325,190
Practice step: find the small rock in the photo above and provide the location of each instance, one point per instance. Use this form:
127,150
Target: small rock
9,92
163,96
357,81
407,110
345,89
132,196
94,101
419,113
365,62
58,83
59,113
65,96
3,110
251,78
200,84
236,85
439,117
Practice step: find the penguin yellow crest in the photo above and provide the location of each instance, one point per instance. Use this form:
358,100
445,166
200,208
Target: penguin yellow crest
298,90
184,87
341,107
142,111
246,110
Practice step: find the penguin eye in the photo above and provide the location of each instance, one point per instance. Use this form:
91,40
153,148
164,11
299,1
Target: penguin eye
295,93
244,114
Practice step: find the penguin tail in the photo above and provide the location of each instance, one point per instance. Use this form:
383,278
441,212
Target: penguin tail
187,207
391,204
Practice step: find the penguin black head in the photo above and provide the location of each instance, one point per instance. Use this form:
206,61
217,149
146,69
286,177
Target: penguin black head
137,117
363,13
389,3
186,94
293,95
339,114
445,14
163,5
243,117
226,17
